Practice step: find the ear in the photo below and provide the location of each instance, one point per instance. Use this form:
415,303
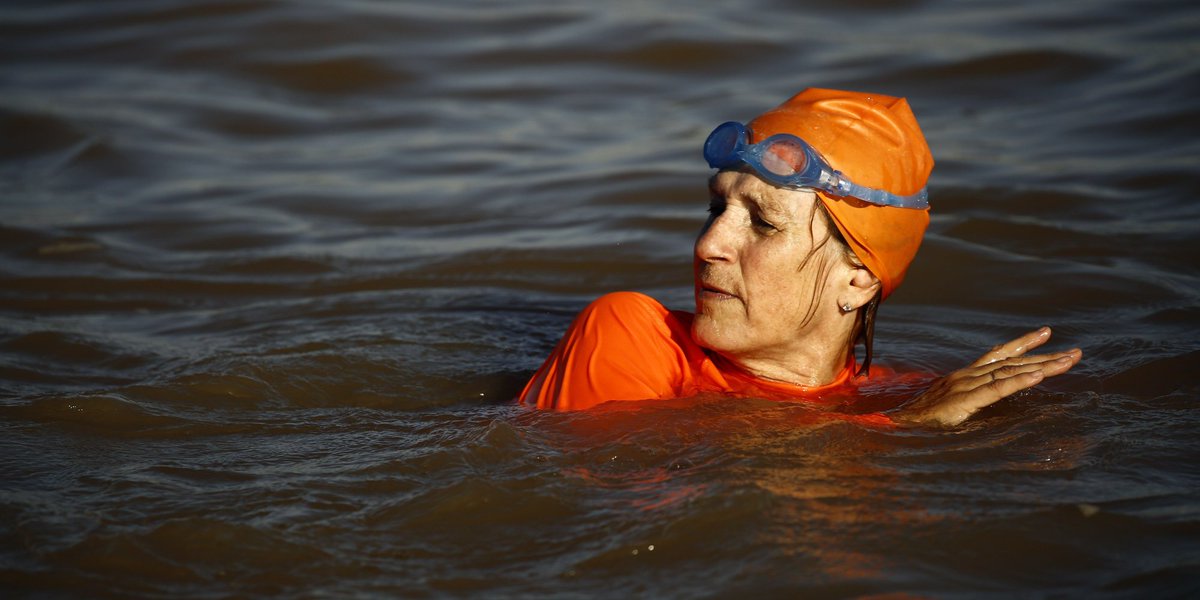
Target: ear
861,286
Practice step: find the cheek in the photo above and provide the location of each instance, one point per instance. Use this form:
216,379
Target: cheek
781,291
773,274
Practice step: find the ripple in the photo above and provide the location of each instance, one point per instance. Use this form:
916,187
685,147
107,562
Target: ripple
1159,377
343,75
271,273
28,134
1033,67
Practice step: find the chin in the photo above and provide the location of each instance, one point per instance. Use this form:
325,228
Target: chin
707,333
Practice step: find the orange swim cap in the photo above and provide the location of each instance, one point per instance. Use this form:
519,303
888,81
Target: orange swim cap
875,141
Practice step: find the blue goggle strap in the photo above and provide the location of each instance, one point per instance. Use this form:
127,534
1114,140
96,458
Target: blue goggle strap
829,180
845,187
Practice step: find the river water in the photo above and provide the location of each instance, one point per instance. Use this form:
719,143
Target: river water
272,271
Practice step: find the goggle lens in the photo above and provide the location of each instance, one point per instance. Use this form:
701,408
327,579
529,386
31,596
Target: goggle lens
789,161
720,150
784,158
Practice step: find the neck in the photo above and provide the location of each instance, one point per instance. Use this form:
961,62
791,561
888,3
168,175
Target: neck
813,361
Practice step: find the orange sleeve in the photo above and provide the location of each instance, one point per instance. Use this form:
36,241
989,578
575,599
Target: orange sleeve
620,347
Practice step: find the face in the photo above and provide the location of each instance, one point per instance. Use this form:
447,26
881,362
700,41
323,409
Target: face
761,263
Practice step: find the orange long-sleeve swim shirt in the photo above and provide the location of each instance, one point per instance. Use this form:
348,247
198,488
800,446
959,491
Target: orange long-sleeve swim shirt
628,346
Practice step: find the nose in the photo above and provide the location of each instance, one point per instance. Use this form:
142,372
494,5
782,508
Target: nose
715,242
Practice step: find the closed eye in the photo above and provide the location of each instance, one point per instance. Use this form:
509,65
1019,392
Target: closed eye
716,206
762,224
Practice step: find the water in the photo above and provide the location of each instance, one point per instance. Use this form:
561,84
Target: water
271,272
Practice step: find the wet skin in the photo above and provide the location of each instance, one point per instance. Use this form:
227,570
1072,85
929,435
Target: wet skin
771,288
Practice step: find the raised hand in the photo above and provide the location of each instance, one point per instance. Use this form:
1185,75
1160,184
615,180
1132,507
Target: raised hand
1003,371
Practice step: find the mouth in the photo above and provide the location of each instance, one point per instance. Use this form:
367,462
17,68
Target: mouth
710,291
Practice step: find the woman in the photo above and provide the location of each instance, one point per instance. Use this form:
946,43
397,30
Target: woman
816,211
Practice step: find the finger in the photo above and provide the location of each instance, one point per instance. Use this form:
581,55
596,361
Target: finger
990,375
1008,386
1058,363
1014,370
1074,354
1016,347
993,391
1062,364
1001,382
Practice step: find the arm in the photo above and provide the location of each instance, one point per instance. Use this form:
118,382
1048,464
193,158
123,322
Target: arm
618,348
1003,371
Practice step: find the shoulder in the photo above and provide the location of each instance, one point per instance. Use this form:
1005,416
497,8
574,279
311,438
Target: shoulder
634,316
624,306
627,301
622,346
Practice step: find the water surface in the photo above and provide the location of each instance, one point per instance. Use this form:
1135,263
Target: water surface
271,272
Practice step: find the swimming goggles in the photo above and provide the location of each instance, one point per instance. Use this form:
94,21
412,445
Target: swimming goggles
789,161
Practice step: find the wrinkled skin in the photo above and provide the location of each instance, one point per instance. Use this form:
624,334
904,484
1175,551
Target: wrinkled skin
771,297
1002,372
769,282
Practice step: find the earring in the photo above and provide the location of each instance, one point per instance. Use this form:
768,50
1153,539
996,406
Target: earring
846,307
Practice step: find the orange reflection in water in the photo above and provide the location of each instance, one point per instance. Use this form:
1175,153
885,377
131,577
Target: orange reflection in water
805,471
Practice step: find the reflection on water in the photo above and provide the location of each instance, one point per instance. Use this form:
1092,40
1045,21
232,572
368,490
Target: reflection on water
271,272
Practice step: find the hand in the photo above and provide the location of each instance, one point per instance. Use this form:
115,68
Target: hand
1003,371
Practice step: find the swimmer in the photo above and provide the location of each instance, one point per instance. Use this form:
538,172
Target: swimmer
816,210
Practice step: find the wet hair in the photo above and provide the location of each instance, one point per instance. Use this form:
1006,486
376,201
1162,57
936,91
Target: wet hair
864,326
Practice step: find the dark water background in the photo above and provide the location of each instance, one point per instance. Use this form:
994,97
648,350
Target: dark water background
271,270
